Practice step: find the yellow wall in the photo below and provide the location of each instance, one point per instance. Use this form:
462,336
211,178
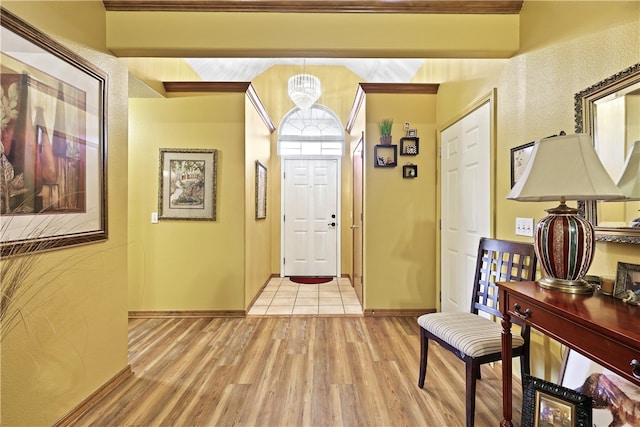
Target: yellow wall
74,335
257,238
177,264
193,34
535,98
400,214
154,71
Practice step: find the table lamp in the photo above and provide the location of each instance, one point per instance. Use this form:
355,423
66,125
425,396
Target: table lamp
562,168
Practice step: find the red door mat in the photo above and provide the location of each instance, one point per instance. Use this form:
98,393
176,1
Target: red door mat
310,280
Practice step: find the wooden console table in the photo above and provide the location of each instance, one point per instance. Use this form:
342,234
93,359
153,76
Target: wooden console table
602,328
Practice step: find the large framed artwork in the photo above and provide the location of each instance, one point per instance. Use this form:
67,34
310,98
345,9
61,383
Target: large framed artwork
187,187
261,190
615,400
53,143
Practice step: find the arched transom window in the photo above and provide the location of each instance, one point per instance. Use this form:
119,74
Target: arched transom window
314,131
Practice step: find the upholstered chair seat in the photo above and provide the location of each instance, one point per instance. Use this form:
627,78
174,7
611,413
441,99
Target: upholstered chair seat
470,334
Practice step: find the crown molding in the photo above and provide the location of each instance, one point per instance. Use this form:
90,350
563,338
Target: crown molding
512,7
406,88
200,86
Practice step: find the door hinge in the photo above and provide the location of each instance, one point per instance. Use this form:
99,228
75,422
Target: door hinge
284,261
439,152
439,224
284,218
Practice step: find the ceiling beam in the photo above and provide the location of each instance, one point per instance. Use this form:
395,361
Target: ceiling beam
321,6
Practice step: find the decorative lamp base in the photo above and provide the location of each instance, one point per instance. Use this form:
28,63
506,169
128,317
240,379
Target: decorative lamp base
567,286
564,244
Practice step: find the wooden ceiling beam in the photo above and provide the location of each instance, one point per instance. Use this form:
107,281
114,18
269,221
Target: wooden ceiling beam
321,6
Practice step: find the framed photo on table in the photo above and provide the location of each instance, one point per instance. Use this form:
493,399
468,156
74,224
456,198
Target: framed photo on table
187,187
53,182
627,282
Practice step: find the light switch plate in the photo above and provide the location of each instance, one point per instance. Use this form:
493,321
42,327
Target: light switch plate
154,217
524,227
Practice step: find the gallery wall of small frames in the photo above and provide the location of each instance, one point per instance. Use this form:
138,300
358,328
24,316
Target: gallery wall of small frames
386,155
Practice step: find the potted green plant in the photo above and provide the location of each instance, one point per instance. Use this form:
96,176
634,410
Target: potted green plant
385,126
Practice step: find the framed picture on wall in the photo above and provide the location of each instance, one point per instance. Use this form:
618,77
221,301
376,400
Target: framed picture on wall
261,190
187,187
519,158
53,182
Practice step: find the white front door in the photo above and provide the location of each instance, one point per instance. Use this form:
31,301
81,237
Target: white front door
310,221
466,204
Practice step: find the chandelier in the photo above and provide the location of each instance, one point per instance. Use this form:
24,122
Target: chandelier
304,90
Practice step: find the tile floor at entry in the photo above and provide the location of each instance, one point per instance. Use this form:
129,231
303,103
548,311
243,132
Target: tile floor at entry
281,297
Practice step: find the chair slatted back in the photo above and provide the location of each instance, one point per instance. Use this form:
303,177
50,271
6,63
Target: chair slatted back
500,261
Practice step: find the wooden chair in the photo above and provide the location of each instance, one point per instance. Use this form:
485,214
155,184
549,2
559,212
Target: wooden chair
475,339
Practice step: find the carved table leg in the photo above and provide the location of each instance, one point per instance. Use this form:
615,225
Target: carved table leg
506,369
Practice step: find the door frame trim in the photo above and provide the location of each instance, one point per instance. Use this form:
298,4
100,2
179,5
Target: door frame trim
338,160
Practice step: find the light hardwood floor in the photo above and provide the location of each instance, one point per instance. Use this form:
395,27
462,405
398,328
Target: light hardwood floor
291,371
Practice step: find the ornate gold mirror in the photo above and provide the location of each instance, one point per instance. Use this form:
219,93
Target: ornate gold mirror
610,112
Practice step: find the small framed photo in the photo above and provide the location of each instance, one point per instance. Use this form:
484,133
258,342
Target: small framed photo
187,188
410,171
519,158
261,190
627,285
412,133
409,146
610,393
548,404
386,156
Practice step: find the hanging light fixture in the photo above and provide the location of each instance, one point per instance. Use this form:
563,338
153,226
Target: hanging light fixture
304,89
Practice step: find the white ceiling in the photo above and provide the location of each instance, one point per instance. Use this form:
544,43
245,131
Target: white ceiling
246,69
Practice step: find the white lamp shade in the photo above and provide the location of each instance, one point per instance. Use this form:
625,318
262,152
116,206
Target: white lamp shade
564,167
629,182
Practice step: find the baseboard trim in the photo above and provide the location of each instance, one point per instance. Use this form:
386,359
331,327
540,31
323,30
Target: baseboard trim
77,412
163,314
264,285
377,312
